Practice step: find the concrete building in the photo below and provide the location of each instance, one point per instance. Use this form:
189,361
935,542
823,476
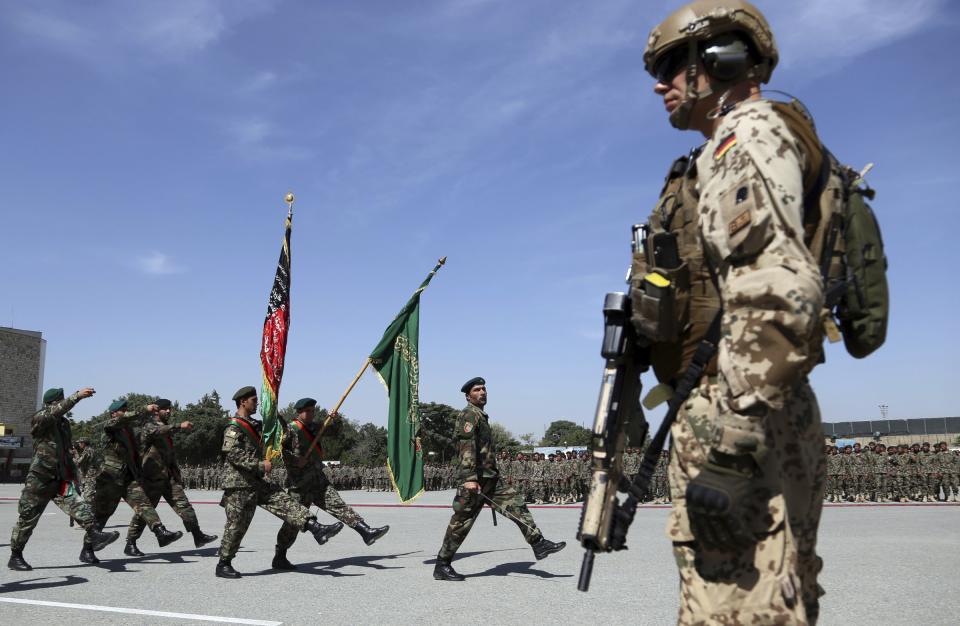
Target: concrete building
22,357
894,431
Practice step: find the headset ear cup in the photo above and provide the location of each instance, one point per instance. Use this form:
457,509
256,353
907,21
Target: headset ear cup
725,58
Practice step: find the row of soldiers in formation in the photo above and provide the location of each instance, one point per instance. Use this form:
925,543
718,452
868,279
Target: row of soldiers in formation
558,478
899,473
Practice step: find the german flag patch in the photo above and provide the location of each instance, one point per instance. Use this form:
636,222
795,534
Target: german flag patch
728,142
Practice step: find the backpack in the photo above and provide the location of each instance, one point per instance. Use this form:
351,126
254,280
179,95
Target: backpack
842,233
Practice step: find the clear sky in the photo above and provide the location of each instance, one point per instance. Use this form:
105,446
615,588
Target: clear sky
147,148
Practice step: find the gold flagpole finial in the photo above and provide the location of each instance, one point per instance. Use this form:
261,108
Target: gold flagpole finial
289,198
442,261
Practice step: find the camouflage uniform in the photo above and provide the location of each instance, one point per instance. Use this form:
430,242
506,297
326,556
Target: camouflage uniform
161,476
750,187
309,484
52,474
86,464
245,486
478,464
120,472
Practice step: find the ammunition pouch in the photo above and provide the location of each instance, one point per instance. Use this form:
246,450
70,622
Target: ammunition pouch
660,290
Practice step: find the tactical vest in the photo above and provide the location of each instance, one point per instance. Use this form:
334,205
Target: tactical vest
673,313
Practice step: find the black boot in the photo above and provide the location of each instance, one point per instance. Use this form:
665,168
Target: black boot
200,539
544,548
131,548
87,555
164,536
99,539
280,560
444,571
17,563
322,533
370,535
225,570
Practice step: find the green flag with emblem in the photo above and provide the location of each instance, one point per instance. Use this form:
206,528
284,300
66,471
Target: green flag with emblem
396,360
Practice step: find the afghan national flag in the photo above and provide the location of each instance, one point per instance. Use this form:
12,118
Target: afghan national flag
397,365
274,347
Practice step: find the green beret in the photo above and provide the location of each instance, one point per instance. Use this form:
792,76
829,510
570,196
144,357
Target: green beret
304,403
243,393
163,403
117,405
53,395
473,382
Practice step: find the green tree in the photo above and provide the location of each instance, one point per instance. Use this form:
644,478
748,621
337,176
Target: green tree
503,439
437,422
528,440
565,433
201,444
370,447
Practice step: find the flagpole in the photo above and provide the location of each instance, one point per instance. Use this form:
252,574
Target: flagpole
353,383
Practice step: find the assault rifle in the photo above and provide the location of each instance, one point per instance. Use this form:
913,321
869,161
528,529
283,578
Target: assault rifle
603,521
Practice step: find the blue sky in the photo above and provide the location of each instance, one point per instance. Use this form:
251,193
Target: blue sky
148,146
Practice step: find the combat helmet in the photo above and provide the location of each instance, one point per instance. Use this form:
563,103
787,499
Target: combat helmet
730,38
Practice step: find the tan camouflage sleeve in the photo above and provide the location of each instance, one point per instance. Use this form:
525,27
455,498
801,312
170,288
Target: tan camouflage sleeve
770,288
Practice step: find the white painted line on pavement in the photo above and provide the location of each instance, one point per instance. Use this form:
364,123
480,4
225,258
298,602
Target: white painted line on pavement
113,609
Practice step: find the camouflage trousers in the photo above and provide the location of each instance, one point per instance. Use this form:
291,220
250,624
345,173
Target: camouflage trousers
468,505
776,580
36,494
240,505
171,491
324,496
110,489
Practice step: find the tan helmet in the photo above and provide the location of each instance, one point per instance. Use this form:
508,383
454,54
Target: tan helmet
685,31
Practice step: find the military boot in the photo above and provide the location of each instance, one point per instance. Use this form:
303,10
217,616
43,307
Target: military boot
225,570
164,536
444,571
87,555
370,535
199,538
321,532
99,539
544,548
17,563
280,560
131,548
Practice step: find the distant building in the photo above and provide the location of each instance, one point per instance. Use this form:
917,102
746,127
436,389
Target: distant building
22,357
892,431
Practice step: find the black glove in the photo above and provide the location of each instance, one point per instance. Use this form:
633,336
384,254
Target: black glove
718,502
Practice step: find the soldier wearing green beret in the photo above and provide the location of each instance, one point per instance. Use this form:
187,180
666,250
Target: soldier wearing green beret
480,482
121,474
308,484
246,487
53,475
162,477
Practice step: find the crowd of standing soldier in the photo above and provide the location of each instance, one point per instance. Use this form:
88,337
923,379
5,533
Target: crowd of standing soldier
899,473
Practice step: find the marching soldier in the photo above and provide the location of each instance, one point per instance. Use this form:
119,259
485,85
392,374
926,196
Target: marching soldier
308,484
246,487
53,476
747,464
480,482
162,478
120,475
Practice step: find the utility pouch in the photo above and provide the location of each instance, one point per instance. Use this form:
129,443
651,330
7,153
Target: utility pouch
112,466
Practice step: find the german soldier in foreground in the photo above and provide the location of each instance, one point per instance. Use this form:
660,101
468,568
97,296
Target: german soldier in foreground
747,464
53,476
162,478
478,475
308,484
121,474
245,488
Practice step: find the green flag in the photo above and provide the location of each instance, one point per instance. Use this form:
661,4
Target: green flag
397,364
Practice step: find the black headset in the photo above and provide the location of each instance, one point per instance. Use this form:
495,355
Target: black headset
726,57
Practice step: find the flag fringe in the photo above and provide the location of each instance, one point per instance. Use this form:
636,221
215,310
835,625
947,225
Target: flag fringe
397,489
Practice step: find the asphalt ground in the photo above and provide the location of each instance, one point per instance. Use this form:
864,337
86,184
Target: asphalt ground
884,564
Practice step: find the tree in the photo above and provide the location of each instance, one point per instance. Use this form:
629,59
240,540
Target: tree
437,422
528,440
565,433
503,439
370,447
201,444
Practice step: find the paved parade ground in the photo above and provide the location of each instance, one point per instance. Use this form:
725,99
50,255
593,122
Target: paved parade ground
885,564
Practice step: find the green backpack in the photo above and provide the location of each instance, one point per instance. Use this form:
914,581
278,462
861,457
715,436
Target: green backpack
842,232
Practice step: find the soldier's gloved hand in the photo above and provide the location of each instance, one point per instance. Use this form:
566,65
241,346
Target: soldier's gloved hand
717,501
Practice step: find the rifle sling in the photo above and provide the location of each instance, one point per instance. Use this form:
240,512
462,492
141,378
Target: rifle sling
689,380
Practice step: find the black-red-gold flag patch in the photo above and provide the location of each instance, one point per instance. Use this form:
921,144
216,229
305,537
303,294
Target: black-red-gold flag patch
728,142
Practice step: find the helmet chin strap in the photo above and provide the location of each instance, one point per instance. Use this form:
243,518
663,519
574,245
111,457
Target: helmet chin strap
680,117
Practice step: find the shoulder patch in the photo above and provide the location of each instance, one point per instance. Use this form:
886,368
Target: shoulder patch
728,142
467,427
